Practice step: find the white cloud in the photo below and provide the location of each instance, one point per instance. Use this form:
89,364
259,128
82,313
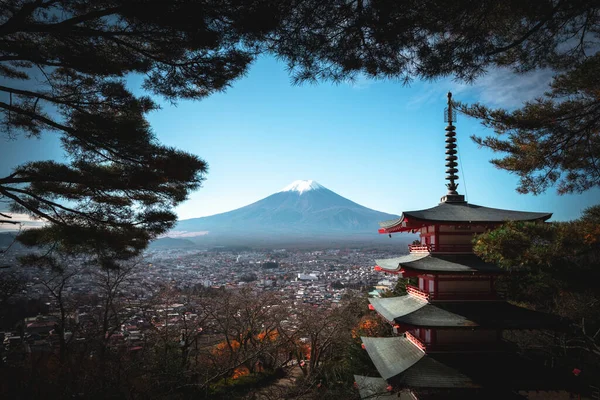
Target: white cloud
498,88
184,234
24,221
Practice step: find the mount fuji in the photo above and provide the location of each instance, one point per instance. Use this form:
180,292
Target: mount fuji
302,209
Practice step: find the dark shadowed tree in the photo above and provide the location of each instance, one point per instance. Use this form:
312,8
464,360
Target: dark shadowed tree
554,267
11,284
553,140
63,65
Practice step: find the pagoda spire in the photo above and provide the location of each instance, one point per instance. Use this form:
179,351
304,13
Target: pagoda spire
451,164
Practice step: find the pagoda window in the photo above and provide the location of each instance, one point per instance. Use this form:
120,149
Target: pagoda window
427,284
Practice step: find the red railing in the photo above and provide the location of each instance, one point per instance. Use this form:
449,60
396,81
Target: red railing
419,248
410,289
440,248
463,295
415,340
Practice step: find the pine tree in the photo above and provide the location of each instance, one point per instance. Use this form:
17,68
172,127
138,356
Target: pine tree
63,65
552,140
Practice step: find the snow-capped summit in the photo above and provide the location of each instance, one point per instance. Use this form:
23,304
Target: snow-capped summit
302,186
302,209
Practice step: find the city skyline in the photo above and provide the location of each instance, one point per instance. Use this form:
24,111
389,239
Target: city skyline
377,143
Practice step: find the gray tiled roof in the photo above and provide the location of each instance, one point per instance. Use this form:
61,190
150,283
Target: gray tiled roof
484,314
392,355
372,388
438,263
393,307
431,373
465,212
411,310
403,365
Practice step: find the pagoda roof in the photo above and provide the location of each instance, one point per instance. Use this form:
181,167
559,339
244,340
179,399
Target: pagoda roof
391,308
373,388
410,310
441,263
458,212
392,355
404,365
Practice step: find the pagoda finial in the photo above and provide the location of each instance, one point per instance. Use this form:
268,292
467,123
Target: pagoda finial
451,164
450,117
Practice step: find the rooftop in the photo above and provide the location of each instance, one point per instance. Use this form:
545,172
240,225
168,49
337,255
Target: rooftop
410,310
392,355
447,263
404,365
458,212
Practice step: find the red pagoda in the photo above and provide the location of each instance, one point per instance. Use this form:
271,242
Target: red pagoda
448,327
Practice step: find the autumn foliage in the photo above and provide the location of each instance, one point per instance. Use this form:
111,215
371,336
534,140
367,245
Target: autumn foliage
368,325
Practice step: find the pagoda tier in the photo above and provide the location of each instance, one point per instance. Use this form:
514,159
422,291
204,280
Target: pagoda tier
446,277
404,366
453,213
465,326
449,227
410,311
373,388
415,263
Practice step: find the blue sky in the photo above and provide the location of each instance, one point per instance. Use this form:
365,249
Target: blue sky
378,143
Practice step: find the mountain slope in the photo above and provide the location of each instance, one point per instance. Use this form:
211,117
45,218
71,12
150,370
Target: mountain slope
304,207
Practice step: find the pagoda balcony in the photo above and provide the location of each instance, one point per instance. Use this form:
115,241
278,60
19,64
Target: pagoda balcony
440,248
415,291
454,296
415,340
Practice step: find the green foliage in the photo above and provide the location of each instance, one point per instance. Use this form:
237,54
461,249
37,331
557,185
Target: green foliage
556,245
63,65
555,266
429,39
400,288
553,139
